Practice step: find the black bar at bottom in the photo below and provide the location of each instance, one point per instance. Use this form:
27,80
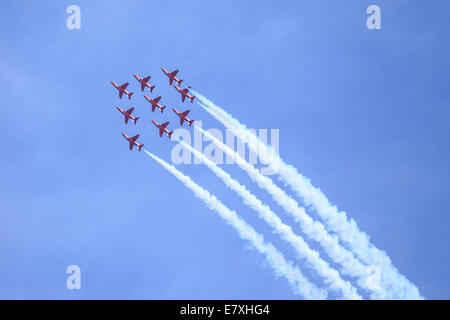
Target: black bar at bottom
219,309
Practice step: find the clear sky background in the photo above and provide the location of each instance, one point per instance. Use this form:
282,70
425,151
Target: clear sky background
363,113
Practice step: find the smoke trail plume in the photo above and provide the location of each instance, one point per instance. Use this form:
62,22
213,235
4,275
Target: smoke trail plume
349,233
298,282
331,276
313,229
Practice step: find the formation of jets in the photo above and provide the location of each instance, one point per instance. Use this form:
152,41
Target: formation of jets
162,127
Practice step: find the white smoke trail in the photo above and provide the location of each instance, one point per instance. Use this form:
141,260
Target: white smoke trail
313,229
331,276
298,282
336,221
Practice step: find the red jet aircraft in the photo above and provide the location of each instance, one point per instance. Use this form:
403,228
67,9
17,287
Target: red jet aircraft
122,89
184,93
155,103
144,82
128,115
183,117
133,142
162,128
172,76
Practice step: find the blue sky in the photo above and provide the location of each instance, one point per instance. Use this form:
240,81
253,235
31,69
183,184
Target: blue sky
363,113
